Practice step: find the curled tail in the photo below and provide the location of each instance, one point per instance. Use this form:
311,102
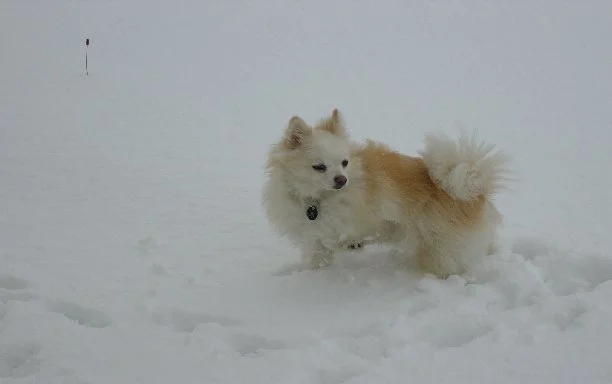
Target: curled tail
466,168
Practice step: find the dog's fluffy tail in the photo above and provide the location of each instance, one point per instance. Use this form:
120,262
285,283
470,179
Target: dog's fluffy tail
466,168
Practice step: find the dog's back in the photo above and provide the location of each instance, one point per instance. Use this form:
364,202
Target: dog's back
441,201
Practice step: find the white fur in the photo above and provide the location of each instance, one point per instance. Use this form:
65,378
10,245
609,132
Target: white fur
465,168
293,184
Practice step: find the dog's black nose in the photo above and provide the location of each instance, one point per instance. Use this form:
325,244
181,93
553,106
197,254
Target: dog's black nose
340,181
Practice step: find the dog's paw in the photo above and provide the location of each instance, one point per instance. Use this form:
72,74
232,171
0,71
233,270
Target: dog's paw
353,245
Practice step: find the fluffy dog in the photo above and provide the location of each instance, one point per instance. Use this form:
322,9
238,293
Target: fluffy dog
326,193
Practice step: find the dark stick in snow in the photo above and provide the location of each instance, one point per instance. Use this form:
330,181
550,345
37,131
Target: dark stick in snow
86,46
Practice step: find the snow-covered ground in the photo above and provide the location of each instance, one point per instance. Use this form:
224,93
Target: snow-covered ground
133,248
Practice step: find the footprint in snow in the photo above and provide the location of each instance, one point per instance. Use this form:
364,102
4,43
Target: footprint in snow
87,317
146,246
453,335
567,317
530,248
564,272
247,344
13,289
19,360
188,321
341,374
9,282
566,275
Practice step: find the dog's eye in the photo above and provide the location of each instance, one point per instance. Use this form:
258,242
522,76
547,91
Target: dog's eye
344,163
319,167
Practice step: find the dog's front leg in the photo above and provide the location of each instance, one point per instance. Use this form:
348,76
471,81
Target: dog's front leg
317,256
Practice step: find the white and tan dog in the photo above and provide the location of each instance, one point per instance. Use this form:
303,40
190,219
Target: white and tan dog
326,193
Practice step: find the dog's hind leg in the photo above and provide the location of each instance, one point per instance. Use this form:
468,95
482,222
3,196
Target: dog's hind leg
444,254
452,253
437,261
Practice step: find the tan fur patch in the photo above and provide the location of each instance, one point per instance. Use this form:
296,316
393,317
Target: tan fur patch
409,181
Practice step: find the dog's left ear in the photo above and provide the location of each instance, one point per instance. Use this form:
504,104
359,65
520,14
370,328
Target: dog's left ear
334,124
297,132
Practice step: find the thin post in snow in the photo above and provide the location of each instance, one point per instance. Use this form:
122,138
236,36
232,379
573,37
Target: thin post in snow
86,46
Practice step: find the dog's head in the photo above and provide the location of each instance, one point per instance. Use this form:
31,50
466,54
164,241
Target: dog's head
314,159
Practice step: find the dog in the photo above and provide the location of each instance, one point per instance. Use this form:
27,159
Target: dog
326,193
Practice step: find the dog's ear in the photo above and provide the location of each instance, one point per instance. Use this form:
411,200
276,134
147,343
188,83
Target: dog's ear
334,124
297,132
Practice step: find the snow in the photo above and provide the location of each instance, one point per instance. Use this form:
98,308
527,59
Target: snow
133,248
